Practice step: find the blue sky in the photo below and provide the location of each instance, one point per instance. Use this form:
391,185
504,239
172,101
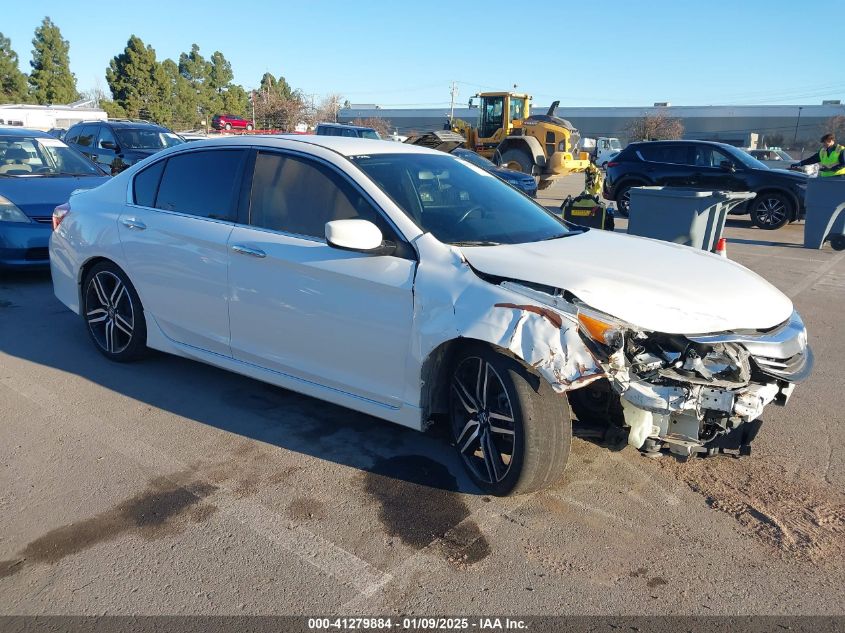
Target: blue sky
406,53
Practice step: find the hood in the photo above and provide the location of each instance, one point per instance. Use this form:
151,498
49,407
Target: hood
139,153
512,174
657,286
37,197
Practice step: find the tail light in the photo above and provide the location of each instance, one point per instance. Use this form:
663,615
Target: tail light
59,214
612,163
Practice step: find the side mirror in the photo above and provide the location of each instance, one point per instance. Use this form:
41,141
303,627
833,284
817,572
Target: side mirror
361,236
108,145
727,165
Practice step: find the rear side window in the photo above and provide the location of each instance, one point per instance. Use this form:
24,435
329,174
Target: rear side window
145,184
204,183
72,134
674,154
87,135
299,196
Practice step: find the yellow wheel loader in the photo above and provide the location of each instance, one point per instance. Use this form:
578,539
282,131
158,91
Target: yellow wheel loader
508,134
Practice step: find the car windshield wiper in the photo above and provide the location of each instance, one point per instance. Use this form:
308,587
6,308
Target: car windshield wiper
59,174
475,243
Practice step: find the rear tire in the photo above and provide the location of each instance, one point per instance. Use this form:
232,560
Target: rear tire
770,210
518,160
228,126
113,313
496,402
623,199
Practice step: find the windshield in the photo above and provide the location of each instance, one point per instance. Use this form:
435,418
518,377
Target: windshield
131,138
475,159
33,156
743,157
614,144
458,202
370,134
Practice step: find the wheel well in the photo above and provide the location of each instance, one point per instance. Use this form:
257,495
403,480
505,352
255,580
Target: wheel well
783,192
628,182
434,397
85,268
528,144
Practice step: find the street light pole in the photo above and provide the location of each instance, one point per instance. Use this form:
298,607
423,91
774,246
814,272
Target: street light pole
795,138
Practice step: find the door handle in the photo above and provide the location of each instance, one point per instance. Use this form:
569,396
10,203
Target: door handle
246,250
135,225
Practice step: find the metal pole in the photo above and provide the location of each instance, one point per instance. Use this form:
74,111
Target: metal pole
454,92
795,138
252,101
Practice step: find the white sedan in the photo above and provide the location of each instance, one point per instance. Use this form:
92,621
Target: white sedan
408,284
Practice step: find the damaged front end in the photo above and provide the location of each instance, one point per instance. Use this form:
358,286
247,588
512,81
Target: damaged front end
686,393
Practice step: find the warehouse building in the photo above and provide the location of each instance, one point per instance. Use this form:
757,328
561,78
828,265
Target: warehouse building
785,125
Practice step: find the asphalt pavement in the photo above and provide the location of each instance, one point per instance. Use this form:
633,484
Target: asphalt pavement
169,487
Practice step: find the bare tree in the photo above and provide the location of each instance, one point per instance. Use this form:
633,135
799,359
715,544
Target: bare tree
327,110
655,128
836,125
382,126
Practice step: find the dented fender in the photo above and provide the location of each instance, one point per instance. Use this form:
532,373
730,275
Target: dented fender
451,301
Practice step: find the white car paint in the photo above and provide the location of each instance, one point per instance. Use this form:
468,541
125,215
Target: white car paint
364,331
694,292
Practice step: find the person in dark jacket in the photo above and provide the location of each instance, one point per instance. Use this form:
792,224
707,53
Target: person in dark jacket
831,158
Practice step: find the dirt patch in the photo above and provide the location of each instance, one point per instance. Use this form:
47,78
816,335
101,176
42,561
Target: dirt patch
305,508
153,513
800,518
420,504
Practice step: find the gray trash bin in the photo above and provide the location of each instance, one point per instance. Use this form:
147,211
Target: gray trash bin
825,204
683,216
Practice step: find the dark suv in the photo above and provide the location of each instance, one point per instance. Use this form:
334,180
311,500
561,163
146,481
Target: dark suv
709,166
342,129
116,144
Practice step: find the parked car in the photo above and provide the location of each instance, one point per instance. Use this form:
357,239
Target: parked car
776,158
116,144
37,173
524,182
58,132
708,165
402,282
231,122
342,129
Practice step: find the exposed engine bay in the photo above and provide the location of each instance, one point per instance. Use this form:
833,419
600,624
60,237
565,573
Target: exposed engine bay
687,394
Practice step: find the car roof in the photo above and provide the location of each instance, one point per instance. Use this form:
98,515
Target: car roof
681,140
345,126
22,131
344,145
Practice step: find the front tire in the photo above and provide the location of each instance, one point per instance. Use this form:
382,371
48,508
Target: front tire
228,126
249,127
518,160
511,430
771,211
113,313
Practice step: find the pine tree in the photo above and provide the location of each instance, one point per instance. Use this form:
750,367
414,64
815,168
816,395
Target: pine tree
138,83
13,86
51,79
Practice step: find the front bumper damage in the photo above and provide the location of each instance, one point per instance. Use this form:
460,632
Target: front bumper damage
685,394
710,411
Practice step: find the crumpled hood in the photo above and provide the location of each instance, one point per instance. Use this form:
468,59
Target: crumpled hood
655,285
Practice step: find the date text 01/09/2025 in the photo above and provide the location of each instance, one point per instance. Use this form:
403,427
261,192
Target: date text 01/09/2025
416,624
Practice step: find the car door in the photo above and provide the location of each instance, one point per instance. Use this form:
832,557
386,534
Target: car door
85,140
333,317
174,235
709,173
105,150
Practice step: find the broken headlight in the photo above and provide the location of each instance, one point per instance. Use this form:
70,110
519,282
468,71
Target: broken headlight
602,328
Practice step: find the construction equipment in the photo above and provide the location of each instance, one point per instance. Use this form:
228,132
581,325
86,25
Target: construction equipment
509,135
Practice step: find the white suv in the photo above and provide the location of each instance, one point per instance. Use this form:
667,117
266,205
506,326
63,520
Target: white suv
413,286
